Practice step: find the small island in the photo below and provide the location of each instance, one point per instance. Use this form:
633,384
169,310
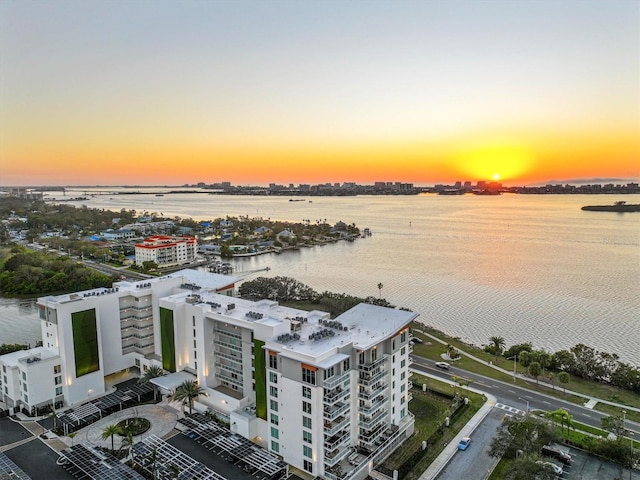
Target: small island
620,206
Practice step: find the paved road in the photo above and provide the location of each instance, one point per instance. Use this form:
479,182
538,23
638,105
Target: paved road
514,396
475,461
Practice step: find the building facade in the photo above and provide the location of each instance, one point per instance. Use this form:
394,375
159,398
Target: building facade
166,251
310,388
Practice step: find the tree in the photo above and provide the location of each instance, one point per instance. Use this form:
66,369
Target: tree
562,417
613,424
527,468
498,344
535,370
563,378
71,435
110,431
526,434
188,391
152,372
380,290
149,265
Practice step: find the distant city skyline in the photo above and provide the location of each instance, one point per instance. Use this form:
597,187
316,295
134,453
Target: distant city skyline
259,92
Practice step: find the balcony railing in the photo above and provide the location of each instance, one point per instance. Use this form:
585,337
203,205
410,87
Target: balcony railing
374,407
335,457
335,441
368,379
375,391
367,367
331,413
335,380
374,421
332,399
331,428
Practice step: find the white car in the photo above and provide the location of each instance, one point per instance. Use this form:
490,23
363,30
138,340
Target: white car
556,468
443,365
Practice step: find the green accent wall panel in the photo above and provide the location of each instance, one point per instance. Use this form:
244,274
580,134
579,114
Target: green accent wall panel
167,339
85,342
261,379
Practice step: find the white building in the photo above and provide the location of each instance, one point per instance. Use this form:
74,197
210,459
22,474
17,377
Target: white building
306,387
166,251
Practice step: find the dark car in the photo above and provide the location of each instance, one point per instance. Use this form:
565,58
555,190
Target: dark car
555,452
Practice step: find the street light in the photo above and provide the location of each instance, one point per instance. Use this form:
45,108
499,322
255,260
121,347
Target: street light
525,400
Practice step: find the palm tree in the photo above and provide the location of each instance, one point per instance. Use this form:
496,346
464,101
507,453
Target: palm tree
498,345
380,285
188,391
152,372
110,431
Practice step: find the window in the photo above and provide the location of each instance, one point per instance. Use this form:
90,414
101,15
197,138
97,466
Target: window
194,344
275,447
308,466
306,422
402,387
329,372
393,344
403,363
374,354
402,399
306,392
403,350
306,451
306,407
275,433
402,413
58,380
403,336
273,377
274,419
306,436
24,376
57,369
26,398
58,390
274,405
273,391
273,361
193,320
361,358
195,354
308,376
345,365
402,375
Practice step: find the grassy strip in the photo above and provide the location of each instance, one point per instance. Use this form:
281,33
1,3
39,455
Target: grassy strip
433,350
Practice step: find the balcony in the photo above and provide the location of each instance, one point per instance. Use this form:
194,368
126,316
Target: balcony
370,423
339,439
335,457
368,367
335,380
376,404
370,438
331,428
333,412
375,391
368,379
334,396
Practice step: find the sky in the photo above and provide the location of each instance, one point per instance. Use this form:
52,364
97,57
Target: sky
158,92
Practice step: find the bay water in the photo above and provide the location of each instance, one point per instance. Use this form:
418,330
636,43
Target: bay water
529,268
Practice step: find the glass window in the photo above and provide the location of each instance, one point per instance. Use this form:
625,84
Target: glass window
57,368
275,433
306,451
273,361
403,350
274,405
274,419
308,376
345,365
306,422
273,377
273,391
308,466
306,407
306,392
58,390
306,436
275,447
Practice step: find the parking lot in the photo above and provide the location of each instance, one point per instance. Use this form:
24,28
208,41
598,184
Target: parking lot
587,467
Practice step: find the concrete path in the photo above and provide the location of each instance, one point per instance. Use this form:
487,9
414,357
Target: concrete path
163,421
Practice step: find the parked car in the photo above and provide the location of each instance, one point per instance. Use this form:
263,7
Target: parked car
552,466
464,443
416,340
555,452
443,365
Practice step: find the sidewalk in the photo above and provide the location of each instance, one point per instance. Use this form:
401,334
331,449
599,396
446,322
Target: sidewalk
449,451
590,403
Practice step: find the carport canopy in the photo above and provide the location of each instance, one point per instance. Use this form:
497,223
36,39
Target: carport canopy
170,382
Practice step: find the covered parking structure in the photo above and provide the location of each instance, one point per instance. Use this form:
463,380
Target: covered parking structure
78,417
8,469
234,448
163,461
83,461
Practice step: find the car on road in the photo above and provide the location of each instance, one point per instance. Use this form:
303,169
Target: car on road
464,443
555,452
443,365
557,469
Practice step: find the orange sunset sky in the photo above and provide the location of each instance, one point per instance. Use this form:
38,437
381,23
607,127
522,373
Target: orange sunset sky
254,92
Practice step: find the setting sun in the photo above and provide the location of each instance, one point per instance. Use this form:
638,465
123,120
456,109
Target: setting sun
485,160
496,176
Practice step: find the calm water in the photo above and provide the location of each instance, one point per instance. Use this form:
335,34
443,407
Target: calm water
526,267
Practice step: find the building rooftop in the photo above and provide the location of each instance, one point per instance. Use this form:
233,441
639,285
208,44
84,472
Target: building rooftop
32,355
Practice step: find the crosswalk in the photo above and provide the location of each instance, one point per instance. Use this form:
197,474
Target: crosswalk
510,409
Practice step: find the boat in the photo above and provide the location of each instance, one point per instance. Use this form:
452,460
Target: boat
159,195
619,207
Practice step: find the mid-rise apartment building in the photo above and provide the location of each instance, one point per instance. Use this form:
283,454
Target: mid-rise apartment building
166,251
310,388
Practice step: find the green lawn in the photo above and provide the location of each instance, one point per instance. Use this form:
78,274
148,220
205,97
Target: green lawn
433,350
